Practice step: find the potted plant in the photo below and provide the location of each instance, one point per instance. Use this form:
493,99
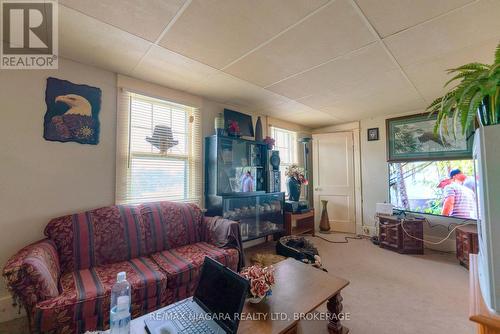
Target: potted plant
476,96
261,281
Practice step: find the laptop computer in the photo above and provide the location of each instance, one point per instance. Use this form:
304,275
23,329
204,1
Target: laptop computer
215,307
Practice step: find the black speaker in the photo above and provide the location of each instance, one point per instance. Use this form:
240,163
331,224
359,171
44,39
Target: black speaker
274,181
273,171
273,160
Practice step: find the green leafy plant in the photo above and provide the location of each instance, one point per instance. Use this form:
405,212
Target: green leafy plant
476,95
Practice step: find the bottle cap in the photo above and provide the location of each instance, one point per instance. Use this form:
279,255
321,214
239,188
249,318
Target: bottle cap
122,276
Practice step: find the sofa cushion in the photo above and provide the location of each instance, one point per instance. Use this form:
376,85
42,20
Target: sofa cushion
170,225
97,237
183,264
85,297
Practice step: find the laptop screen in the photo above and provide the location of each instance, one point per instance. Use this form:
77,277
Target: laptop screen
221,292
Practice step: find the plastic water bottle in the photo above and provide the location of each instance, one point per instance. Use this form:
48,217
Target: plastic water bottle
119,317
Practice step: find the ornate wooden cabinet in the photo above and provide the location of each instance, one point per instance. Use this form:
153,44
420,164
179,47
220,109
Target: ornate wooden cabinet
392,236
467,243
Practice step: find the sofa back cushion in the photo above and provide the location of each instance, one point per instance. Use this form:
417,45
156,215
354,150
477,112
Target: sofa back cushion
170,225
98,237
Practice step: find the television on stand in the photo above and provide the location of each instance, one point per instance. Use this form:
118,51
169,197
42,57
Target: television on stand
486,155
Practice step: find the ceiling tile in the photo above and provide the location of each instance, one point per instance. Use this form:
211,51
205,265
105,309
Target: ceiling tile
462,28
315,119
216,32
386,93
430,76
228,89
287,109
172,70
334,30
146,19
93,46
391,16
344,71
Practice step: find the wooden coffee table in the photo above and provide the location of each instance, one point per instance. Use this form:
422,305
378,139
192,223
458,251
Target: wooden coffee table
299,290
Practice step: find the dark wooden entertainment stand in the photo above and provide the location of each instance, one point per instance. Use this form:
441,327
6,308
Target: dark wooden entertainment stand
392,237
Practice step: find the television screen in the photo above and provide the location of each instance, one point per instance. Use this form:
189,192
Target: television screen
244,121
444,188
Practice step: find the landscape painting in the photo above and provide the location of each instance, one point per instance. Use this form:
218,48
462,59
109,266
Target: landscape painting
412,138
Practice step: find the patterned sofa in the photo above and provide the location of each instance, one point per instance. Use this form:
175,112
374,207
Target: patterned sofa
64,281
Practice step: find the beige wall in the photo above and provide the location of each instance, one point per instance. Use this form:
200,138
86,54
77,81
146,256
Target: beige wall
39,179
375,180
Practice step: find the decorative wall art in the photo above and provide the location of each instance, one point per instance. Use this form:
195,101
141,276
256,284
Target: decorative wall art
412,138
72,112
372,134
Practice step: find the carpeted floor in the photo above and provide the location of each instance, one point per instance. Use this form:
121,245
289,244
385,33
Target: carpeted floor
389,292
393,293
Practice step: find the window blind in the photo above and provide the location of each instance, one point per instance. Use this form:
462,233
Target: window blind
159,151
286,144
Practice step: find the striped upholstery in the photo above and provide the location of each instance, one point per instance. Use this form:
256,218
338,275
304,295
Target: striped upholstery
34,272
183,264
98,237
65,281
170,225
84,301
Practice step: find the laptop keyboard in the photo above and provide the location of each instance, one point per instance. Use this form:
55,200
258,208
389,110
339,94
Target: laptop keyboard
188,325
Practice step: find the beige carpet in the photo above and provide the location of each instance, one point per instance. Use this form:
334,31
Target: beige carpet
393,293
389,292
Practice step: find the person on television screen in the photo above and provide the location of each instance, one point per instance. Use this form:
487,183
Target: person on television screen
459,200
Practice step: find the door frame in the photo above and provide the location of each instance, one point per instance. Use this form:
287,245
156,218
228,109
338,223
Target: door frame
354,128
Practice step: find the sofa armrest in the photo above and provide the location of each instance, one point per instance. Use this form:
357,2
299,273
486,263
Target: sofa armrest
223,233
32,275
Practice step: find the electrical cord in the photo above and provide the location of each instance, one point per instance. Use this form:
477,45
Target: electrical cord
346,239
430,242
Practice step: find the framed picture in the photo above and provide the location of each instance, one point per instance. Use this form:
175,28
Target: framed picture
411,138
72,112
372,134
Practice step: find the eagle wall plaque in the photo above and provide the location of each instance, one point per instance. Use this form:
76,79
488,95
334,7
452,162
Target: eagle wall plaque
72,112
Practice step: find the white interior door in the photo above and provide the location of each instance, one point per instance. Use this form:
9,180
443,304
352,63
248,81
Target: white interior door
333,167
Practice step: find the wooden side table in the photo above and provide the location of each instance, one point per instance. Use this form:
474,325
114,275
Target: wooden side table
487,321
467,243
304,223
392,237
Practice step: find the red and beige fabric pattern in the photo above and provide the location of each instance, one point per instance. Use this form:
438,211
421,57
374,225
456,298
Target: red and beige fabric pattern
85,295
33,273
183,264
65,281
93,238
170,225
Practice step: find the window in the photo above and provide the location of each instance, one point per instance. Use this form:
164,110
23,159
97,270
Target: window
159,151
426,187
286,144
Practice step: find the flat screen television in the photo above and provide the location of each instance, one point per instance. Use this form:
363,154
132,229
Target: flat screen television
244,121
486,155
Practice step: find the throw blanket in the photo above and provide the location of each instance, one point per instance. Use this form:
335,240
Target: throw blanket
226,233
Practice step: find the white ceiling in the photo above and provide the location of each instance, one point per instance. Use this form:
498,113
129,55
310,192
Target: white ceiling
315,62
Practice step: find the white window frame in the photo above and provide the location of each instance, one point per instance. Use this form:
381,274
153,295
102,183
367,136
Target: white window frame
125,155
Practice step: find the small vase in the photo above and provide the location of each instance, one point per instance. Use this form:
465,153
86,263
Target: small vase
258,130
324,224
294,188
